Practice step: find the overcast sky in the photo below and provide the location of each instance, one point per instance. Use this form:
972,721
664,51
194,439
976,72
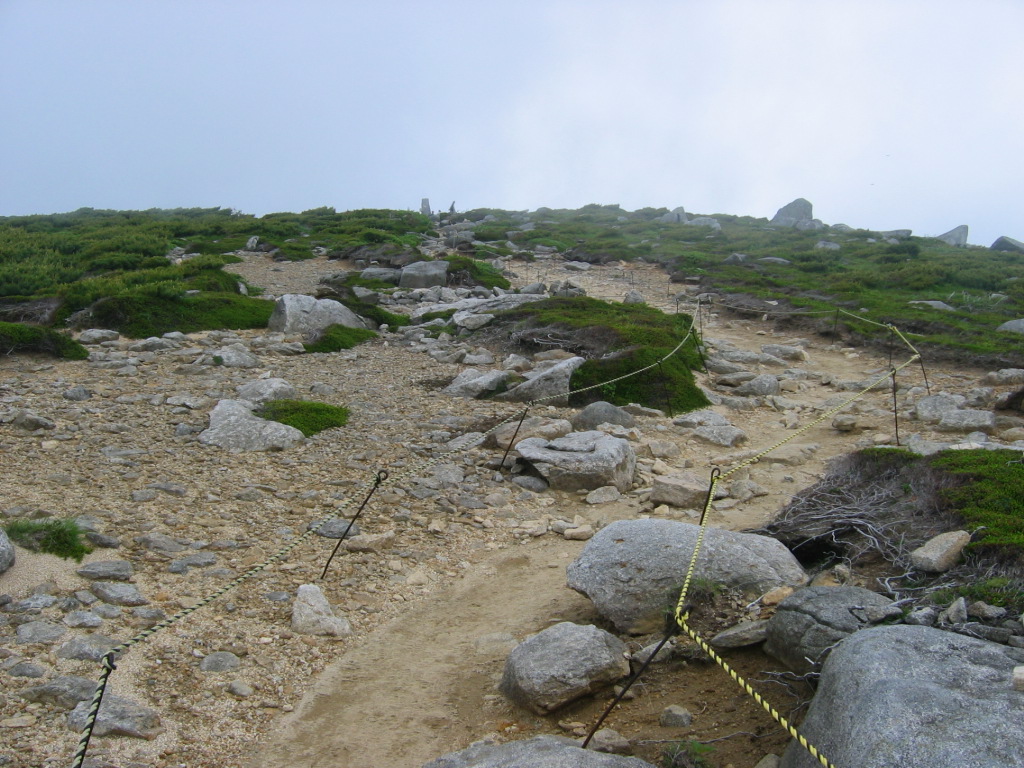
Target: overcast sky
885,114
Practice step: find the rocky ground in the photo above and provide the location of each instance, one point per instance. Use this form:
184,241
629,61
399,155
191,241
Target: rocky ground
473,566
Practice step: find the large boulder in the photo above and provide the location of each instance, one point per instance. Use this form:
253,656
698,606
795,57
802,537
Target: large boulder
1008,245
581,460
549,385
957,236
538,752
118,716
915,697
632,569
792,213
301,314
810,621
234,427
6,552
561,664
423,274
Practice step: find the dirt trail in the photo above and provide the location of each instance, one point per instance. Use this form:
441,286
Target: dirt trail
421,683
419,686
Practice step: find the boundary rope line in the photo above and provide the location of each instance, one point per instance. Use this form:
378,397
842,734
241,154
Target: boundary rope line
681,615
109,659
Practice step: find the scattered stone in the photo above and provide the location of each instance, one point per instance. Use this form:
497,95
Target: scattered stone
107,570
118,716
65,691
941,553
313,615
86,647
956,237
611,742
601,412
220,661
675,716
240,689
561,664
1008,245
6,552
956,613
77,394
197,560
118,594
603,495
39,632
744,634
262,390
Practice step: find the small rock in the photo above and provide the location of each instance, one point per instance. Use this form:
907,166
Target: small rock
941,553
603,495
611,742
312,614
118,716
220,661
118,594
107,570
675,716
240,689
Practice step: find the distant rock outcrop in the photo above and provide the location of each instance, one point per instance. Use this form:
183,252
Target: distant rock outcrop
798,214
1007,244
957,236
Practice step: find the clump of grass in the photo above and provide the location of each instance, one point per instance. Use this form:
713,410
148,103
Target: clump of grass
16,337
307,417
686,754
465,270
378,314
986,493
140,316
617,339
335,338
61,537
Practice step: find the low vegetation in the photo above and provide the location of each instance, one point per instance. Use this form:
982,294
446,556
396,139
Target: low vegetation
60,537
307,417
17,337
335,338
617,339
880,504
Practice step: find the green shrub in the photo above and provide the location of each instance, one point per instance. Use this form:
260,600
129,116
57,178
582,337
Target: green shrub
307,417
335,338
618,339
686,754
60,537
15,337
475,272
378,314
140,316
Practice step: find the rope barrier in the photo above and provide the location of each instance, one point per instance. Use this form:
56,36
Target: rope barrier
682,611
370,487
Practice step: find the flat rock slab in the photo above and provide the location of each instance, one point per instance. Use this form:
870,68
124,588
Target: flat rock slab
118,716
581,461
902,696
632,570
